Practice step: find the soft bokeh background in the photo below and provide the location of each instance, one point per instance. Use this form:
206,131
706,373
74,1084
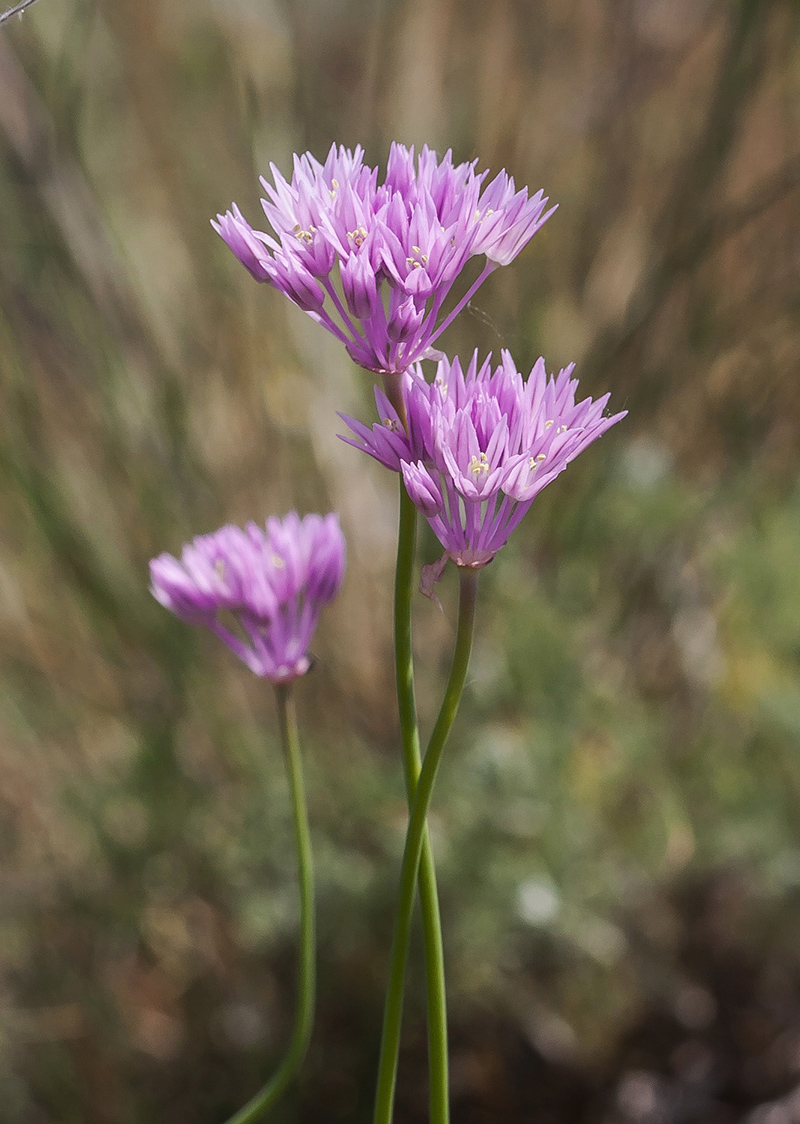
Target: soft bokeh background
617,820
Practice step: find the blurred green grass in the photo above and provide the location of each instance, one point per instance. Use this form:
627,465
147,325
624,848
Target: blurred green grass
633,711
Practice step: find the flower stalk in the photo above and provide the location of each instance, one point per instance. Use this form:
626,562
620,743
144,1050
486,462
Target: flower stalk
271,1093
393,1010
428,892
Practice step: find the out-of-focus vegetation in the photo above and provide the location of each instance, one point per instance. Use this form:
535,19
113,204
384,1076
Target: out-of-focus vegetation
617,820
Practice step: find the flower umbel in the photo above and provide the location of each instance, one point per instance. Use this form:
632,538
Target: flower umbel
397,247
273,582
481,446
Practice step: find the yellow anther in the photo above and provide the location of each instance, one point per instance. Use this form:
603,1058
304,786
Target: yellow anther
335,184
414,263
561,429
219,566
479,464
547,424
390,423
541,457
278,562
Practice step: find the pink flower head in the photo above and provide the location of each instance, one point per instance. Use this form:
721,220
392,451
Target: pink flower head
273,582
481,446
374,263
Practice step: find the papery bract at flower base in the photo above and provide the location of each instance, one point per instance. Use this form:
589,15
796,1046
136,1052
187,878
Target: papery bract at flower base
481,446
272,581
337,232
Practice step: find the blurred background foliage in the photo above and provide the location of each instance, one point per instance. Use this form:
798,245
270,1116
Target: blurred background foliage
616,821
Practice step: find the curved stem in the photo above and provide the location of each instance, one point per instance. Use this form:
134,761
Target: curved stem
490,267
267,1097
428,892
390,1042
348,323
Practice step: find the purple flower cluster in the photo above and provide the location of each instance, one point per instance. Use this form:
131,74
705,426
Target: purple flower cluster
374,264
269,584
481,446
397,247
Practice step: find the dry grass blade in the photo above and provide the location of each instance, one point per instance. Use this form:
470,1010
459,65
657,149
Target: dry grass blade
17,10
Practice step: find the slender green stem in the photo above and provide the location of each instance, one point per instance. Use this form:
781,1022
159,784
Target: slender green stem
267,1097
428,893
390,1042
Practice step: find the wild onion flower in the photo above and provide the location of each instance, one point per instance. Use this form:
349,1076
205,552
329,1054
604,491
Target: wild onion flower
480,447
374,263
259,590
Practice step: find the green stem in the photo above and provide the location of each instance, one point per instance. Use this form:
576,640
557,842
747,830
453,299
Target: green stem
428,893
267,1097
390,1042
